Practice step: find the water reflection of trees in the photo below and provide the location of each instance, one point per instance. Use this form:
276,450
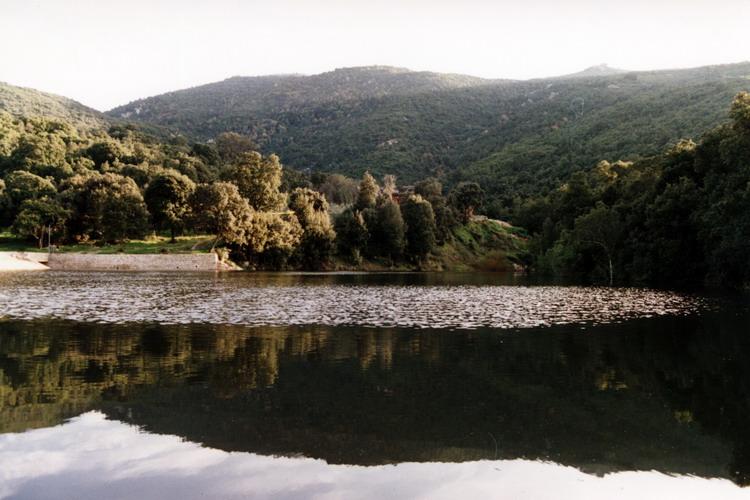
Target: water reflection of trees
668,394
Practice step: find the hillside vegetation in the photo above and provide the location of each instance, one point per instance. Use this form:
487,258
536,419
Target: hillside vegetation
678,218
515,138
24,102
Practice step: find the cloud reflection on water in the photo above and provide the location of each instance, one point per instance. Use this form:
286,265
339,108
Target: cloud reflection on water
92,457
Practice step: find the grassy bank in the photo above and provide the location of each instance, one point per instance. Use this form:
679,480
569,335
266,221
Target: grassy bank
152,245
481,245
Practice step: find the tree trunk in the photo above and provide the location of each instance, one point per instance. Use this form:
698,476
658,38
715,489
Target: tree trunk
611,271
213,245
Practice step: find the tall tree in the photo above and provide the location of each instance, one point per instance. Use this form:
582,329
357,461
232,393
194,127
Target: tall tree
106,207
167,200
601,227
351,234
368,192
21,186
387,236
467,198
420,227
259,179
311,209
39,217
219,209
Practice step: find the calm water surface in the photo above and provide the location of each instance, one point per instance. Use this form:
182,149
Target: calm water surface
367,386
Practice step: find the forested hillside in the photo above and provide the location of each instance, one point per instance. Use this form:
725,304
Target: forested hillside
19,101
515,138
680,217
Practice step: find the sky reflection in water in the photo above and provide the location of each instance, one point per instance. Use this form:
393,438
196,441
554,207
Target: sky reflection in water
91,457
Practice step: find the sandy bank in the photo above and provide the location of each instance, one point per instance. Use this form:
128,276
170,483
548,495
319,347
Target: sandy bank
11,261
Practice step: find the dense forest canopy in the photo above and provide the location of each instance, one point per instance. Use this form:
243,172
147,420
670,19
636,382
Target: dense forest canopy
681,217
510,136
60,183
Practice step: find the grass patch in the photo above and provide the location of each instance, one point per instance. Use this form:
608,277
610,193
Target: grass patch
151,245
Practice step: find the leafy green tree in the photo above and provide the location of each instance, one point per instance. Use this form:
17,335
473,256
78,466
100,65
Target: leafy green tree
21,186
219,209
39,150
389,186
107,151
272,237
106,207
368,192
38,217
445,216
351,234
387,235
338,189
420,227
429,188
601,227
258,179
317,243
740,111
466,198
167,200
231,146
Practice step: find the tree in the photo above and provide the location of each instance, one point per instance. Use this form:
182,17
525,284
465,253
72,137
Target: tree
338,189
39,149
311,210
272,237
230,147
420,227
368,192
389,186
38,217
429,188
258,179
740,111
600,227
219,209
21,186
351,234
445,216
387,236
106,207
167,200
102,152
466,198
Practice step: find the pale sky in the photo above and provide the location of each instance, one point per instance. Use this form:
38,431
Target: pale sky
104,53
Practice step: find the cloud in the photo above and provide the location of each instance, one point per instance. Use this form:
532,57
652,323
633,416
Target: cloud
91,457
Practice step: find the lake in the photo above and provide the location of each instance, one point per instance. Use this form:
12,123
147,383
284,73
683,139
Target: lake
148,385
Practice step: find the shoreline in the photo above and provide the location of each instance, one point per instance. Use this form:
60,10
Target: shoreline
41,261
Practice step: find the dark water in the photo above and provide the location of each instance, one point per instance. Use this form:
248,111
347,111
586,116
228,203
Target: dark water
349,386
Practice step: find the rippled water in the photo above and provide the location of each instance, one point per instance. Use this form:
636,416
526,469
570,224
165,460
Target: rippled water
254,300
143,385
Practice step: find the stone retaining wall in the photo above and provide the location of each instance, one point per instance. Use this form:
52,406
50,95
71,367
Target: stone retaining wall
129,262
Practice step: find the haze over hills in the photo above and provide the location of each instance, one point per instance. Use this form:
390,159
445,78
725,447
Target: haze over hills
513,136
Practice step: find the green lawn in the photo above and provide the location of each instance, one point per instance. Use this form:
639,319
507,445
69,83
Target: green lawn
153,244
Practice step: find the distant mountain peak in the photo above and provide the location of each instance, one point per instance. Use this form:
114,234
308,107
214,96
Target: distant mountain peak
598,70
